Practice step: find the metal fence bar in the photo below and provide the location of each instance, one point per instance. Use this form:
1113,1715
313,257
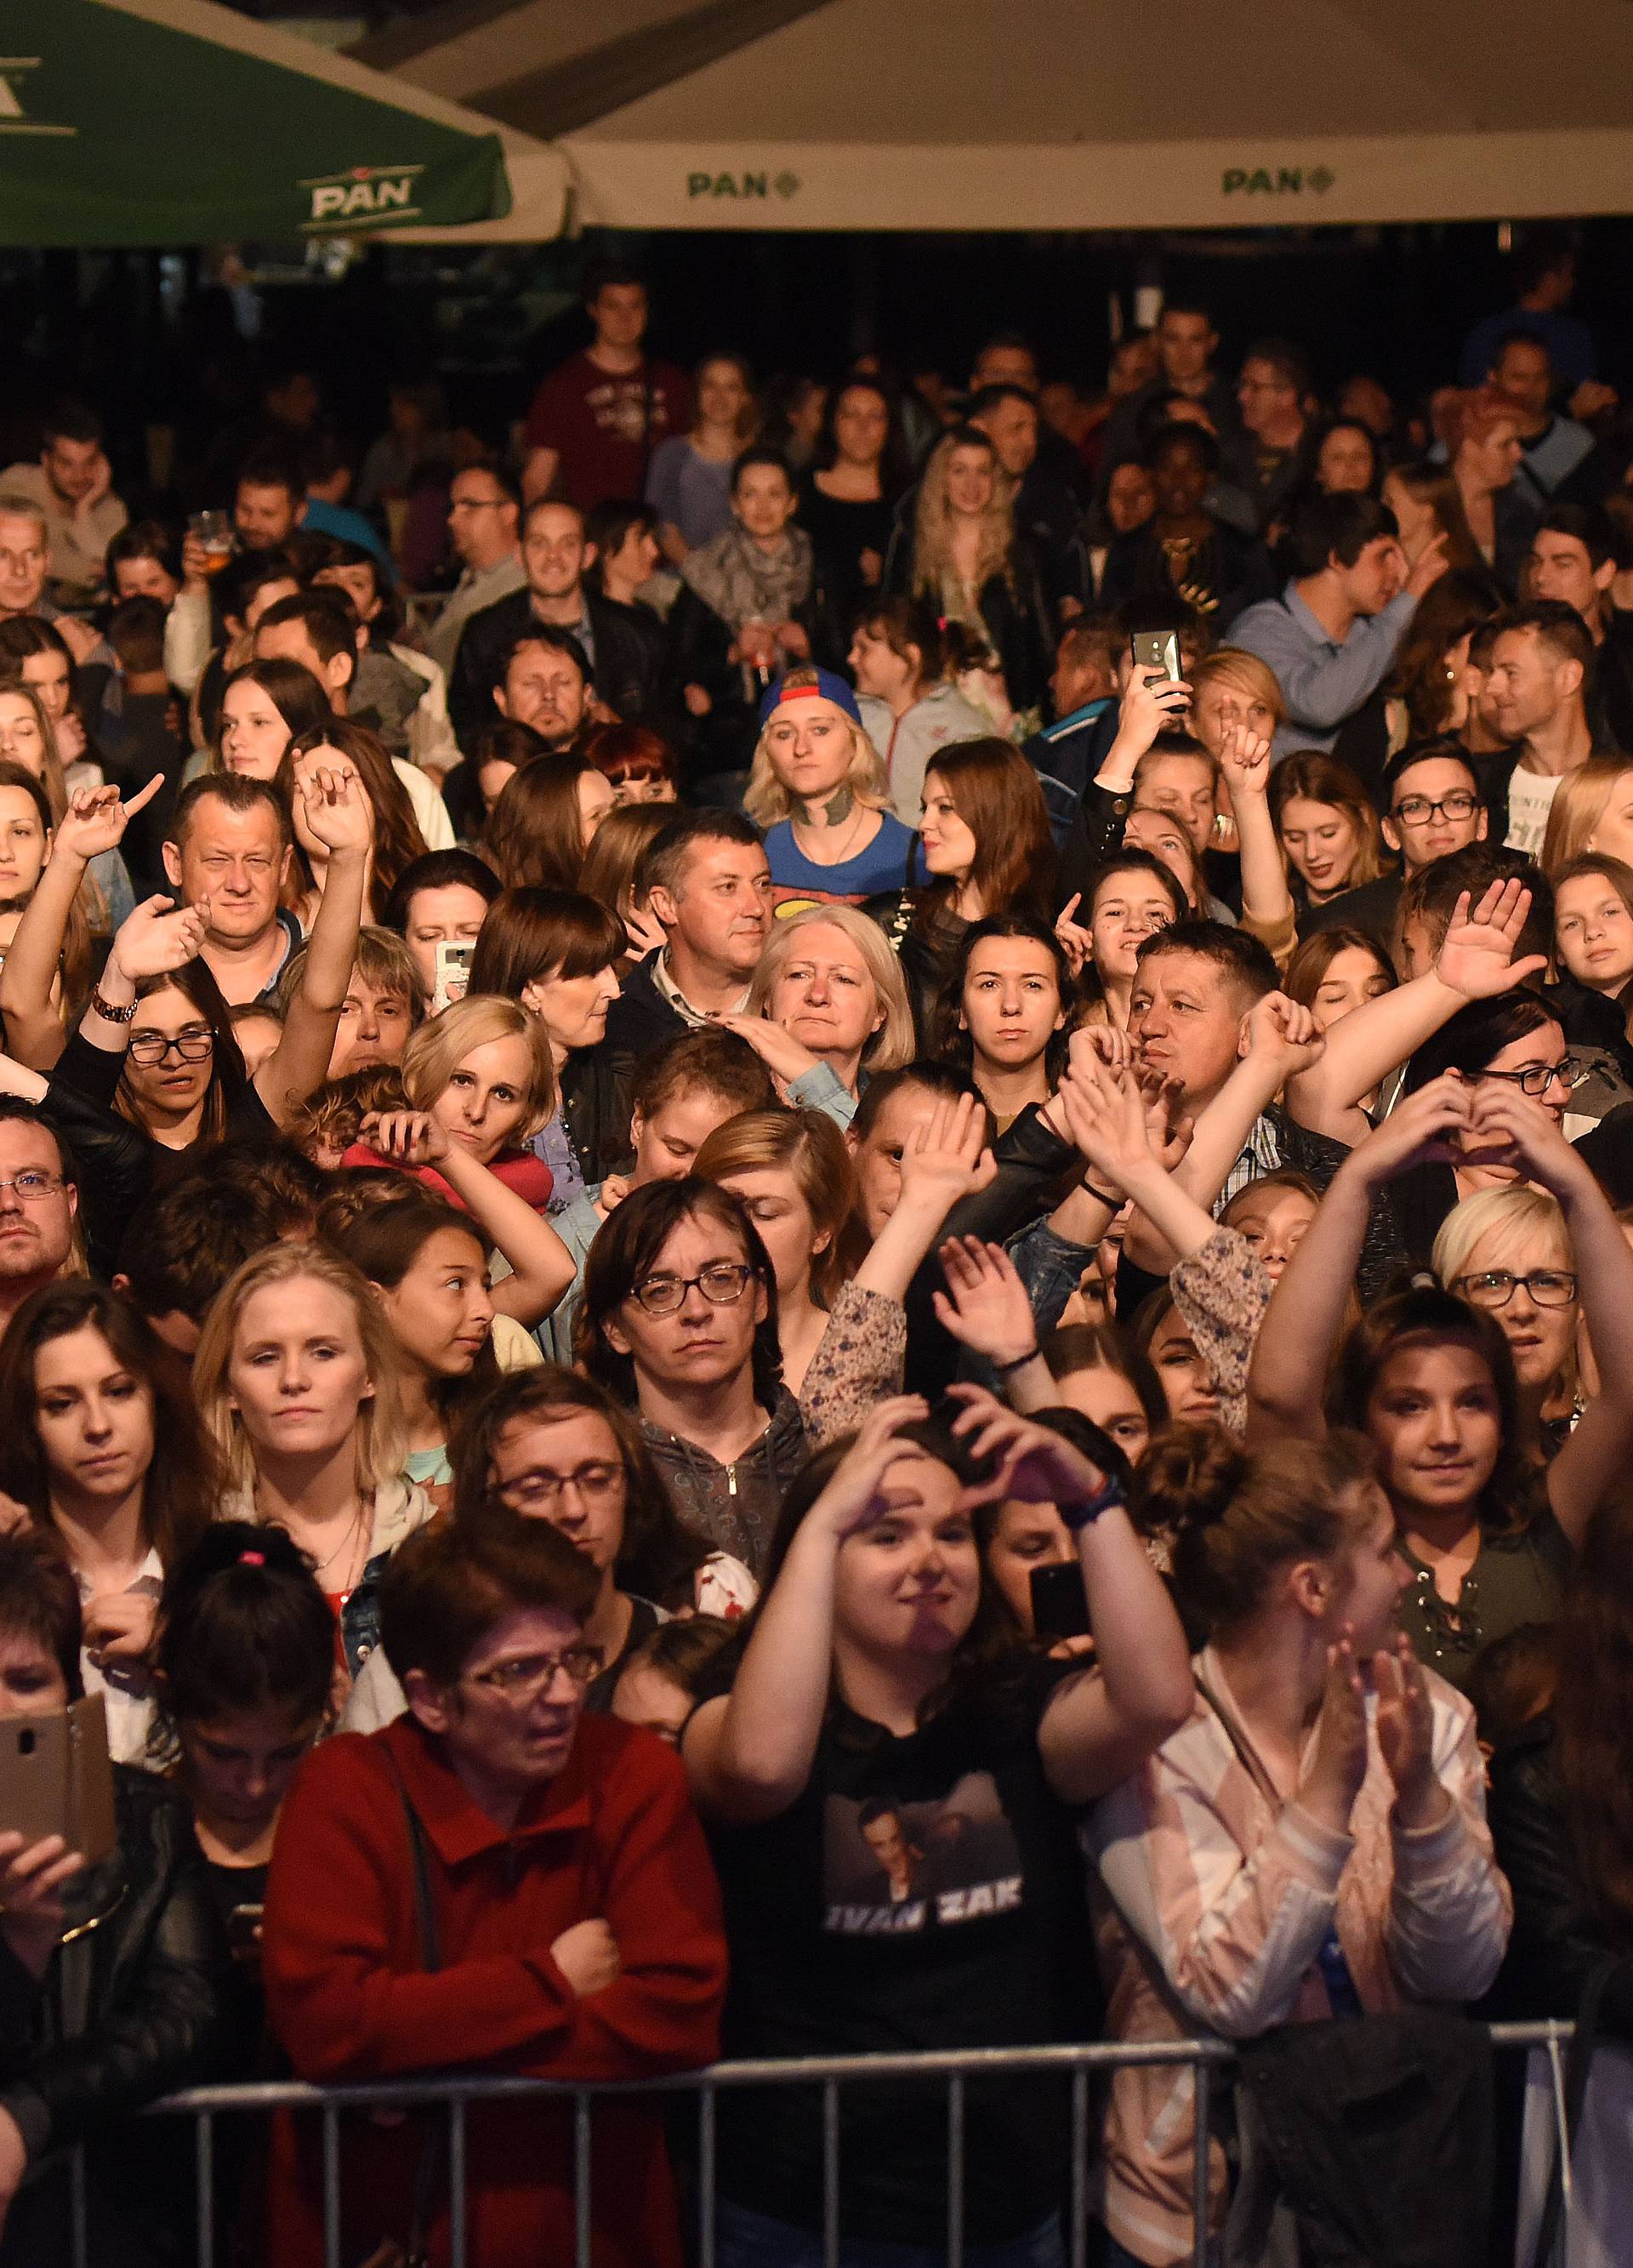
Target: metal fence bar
331,2186
707,2101
204,2186
955,2171
1562,2128
456,2182
830,2174
78,2232
1079,2231
1199,2164
583,2201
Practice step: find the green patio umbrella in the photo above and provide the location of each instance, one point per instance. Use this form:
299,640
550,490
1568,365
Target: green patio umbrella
171,122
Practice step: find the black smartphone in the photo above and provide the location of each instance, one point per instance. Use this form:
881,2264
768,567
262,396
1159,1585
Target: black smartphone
1060,1604
1159,650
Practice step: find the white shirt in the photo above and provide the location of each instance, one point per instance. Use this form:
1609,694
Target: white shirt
1530,799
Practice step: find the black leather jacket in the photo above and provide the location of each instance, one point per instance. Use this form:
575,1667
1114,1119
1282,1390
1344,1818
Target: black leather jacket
133,2003
629,650
1558,1941
596,1084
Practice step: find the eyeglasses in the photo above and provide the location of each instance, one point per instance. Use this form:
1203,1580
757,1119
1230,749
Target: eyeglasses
1417,810
523,1679
1537,1078
30,1188
595,1483
721,1283
192,1046
1495,1287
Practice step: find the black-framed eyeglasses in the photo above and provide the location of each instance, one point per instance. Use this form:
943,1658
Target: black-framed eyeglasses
543,1490
523,1679
152,1048
1418,810
1495,1287
1537,1078
722,1283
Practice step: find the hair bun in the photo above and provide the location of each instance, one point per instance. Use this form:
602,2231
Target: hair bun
1187,1478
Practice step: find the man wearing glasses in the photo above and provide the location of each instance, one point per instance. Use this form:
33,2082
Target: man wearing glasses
483,524
1431,806
38,1201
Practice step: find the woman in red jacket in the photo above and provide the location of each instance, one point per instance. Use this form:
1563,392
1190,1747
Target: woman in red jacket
575,1914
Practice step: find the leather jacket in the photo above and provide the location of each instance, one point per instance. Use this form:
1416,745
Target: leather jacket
1558,1941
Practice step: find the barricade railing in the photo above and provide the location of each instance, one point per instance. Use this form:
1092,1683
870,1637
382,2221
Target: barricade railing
1078,2063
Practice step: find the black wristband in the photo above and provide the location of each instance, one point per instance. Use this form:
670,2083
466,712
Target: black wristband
1003,1369
1112,1204
1076,1517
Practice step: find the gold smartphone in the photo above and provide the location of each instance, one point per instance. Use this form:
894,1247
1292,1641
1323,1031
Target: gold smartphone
56,1777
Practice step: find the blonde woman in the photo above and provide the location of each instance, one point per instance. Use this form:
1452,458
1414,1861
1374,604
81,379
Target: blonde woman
818,788
1508,1252
974,568
297,1379
483,1071
1592,811
828,1006
1233,687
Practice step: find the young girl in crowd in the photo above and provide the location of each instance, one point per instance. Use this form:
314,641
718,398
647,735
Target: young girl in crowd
688,482
611,874
1593,942
859,472
974,567
1593,810
888,1800
1329,831
1008,1004
638,765
1430,1377
299,1379
103,1447
545,821
264,706
818,788
1128,899
394,839
1337,971
558,952
1313,1842
28,833
907,706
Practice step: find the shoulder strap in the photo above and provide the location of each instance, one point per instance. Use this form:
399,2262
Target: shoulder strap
419,1859
1247,1755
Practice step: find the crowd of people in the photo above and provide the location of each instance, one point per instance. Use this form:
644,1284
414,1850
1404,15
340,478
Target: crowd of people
830,1261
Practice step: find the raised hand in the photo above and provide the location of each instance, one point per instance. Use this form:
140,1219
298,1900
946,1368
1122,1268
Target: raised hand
1034,1464
1106,1116
407,1138
96,819
1281,1034
947,1157
1426,1129
337,811
852,1498
1332,1779
1152,703
1244,759
785,1057
159,937
1476,955
1405,1730
1075,941
986,1306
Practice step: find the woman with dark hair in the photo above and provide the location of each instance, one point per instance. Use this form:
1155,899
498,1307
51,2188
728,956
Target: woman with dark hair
609,872
1184,549
116,1977
1129,897
1430,686
394,839
628,553
264,706
909,709
890,1789
987,848
243,1664
498,753
544,821
558,952
1430,1378
689,482
848,496
1328,826
439,900
1007,1008
1313,1842
34,653
98,1444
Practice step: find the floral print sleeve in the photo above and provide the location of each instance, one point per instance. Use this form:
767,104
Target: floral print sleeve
858,1361
1222,1291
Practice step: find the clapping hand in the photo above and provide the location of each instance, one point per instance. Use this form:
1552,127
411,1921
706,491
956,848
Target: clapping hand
1332,1779
1406,1732
1283,1035
852,1498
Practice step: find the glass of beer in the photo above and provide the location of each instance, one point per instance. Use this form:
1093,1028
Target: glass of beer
214,531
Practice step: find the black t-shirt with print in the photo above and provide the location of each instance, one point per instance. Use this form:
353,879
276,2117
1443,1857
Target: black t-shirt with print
923,1893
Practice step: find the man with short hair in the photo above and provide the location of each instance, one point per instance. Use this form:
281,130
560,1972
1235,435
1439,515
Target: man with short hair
1545,278
597,419
230,841
24,553
1186,343
39,1199
319,629
1554,447
1067,753
1575,557
485,527
708,885
72,484
1432,808
544,682
1332,637
623,645
1539,665
1273,397
267,502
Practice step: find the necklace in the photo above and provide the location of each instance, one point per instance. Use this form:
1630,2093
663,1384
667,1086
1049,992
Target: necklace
819,834
348,1543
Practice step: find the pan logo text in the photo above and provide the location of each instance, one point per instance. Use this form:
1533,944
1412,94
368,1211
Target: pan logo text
749,187
1276,180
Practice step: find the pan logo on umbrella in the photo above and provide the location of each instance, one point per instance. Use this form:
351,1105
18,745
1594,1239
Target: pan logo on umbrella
362,193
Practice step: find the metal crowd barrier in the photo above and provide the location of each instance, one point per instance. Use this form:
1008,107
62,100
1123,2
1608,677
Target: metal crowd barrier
204,2105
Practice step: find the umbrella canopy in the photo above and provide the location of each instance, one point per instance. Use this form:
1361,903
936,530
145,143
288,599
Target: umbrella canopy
1056,115
161,122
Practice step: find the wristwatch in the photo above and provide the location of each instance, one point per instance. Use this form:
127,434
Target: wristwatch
107,1010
